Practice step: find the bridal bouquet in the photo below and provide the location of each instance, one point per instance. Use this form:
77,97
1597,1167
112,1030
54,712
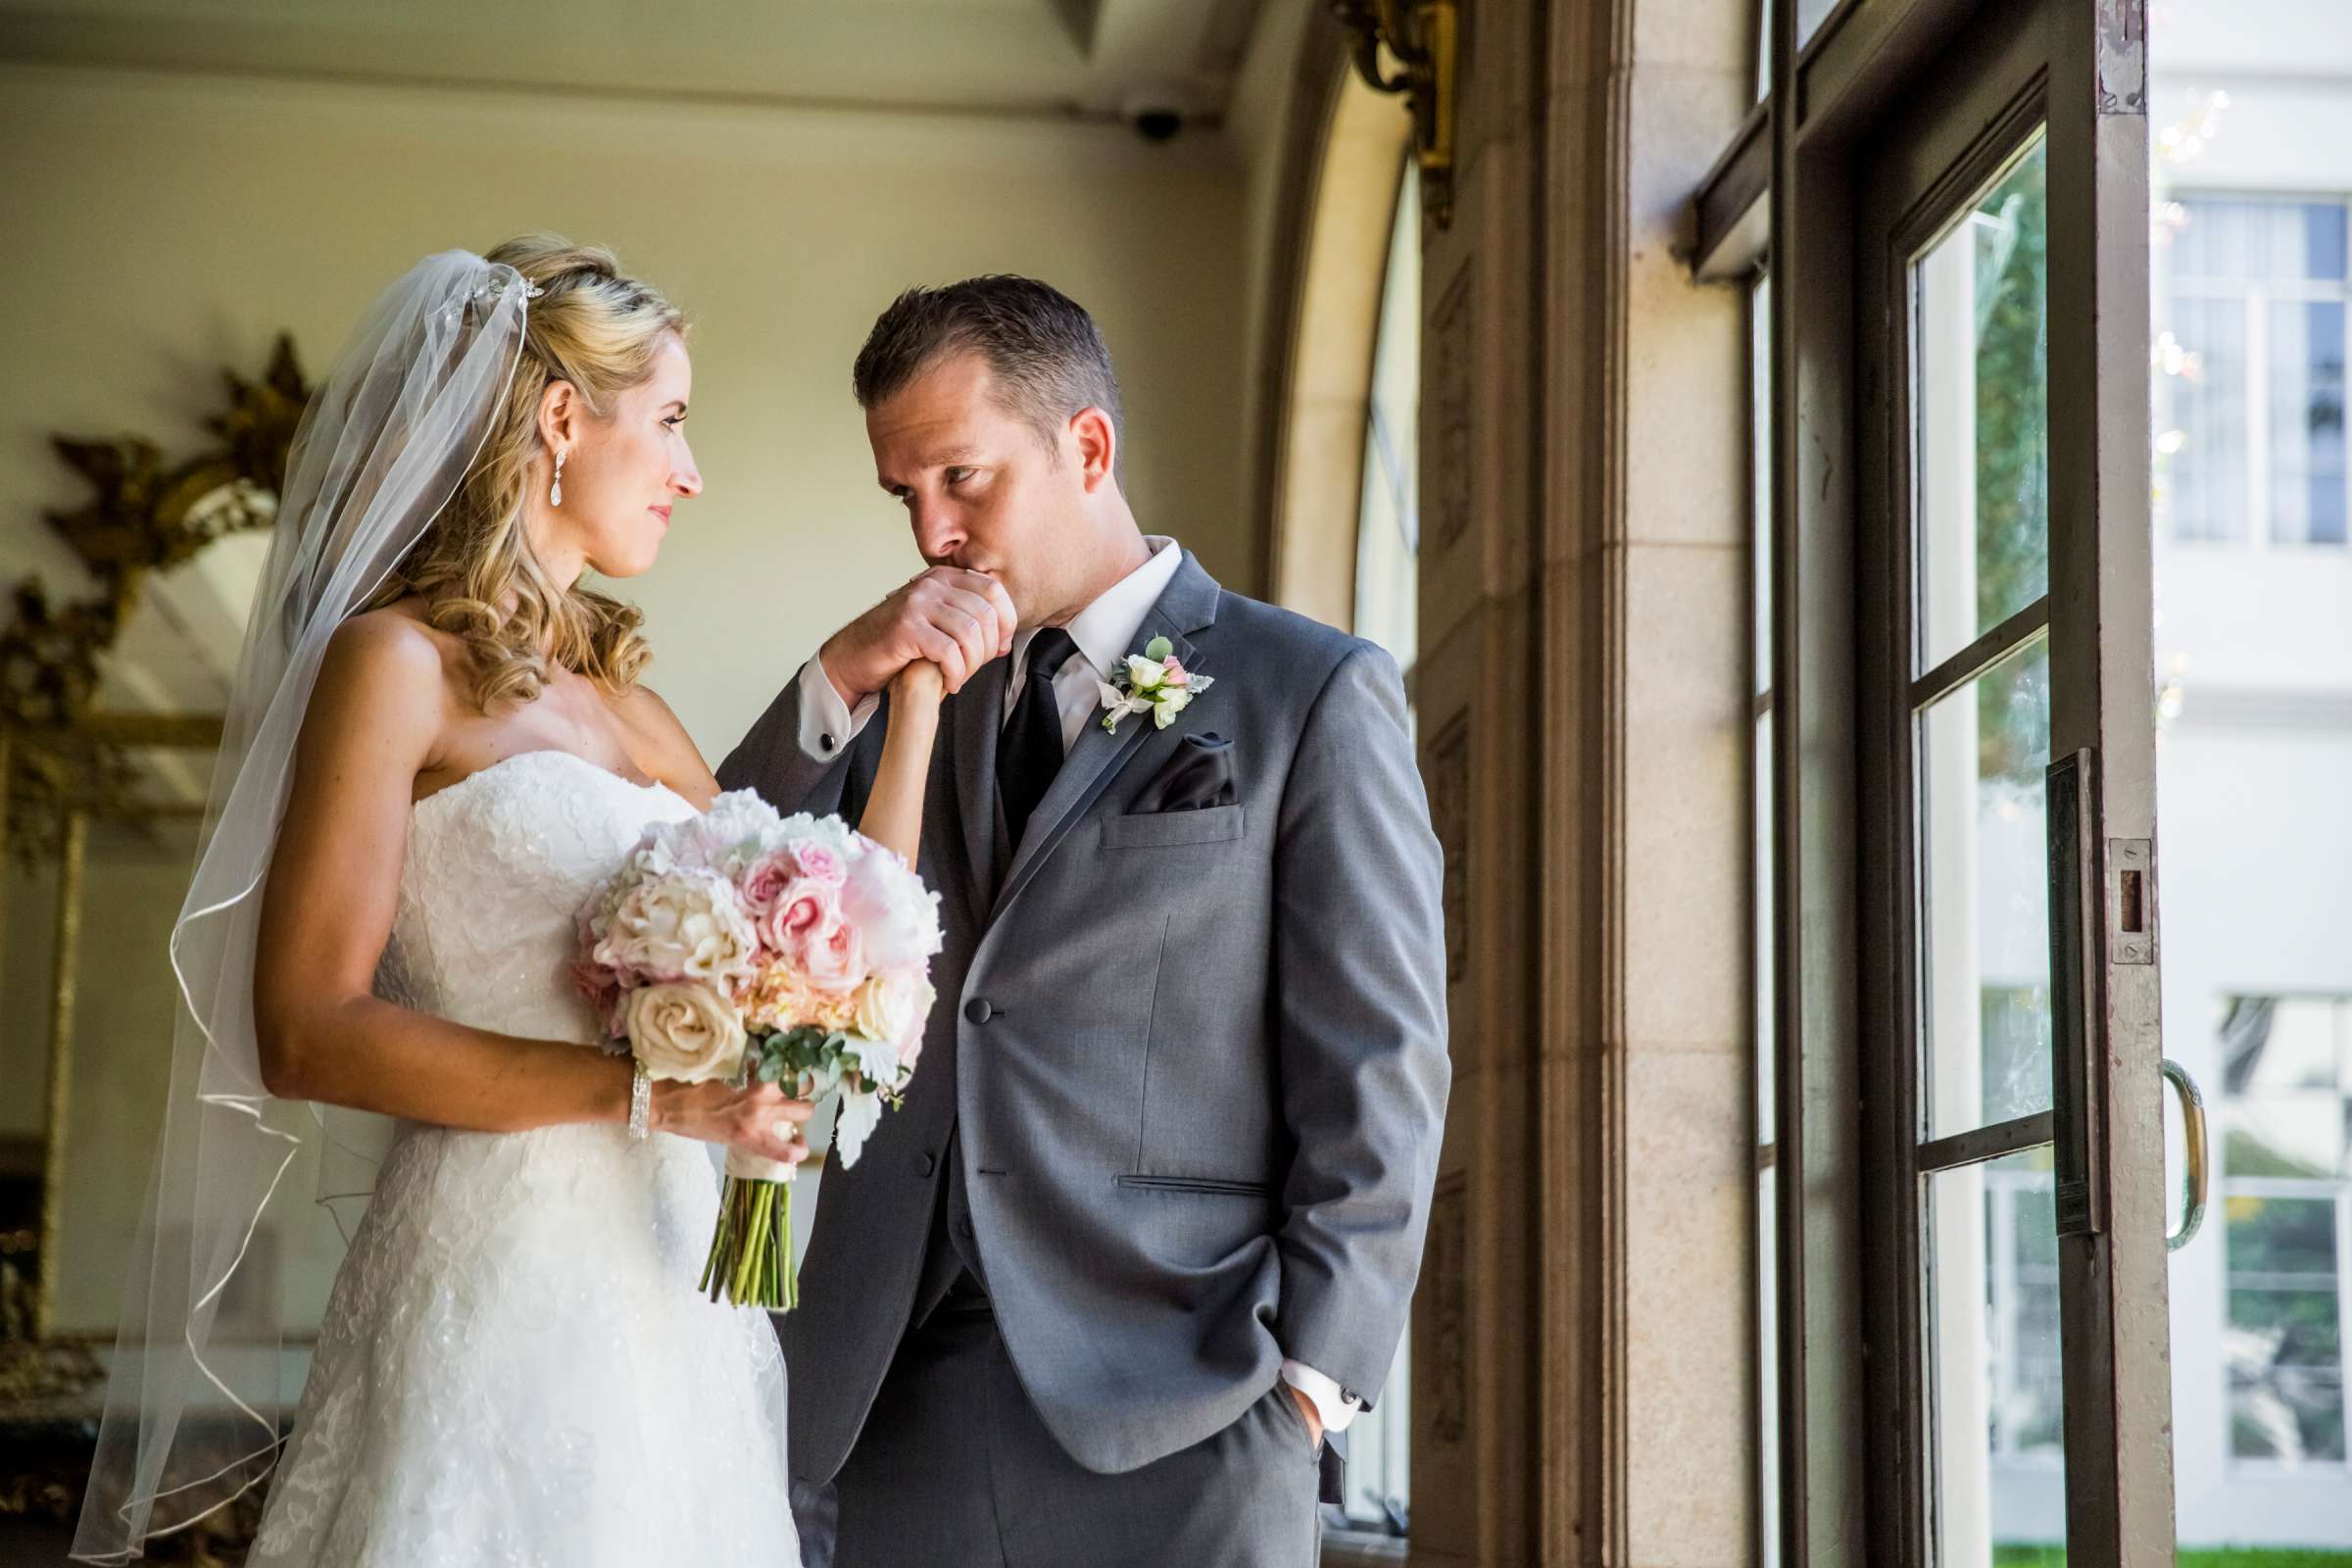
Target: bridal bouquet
746,946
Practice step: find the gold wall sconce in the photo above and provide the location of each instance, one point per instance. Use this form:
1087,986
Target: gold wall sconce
1420,36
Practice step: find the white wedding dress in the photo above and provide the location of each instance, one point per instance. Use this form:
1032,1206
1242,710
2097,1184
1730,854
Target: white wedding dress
515,1366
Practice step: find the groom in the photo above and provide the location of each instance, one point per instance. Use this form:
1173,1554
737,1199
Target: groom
1145,1231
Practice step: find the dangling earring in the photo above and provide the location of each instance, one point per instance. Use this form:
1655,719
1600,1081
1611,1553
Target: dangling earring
555,494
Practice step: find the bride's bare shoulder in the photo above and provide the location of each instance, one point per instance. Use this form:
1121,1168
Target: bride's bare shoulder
395,635
662,743
391,656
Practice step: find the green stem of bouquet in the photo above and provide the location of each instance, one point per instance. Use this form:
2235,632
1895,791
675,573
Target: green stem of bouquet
751,1260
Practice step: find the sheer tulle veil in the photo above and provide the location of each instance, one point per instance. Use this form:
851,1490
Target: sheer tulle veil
191,1415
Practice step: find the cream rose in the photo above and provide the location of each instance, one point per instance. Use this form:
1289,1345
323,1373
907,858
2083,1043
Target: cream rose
685,1033
890,1010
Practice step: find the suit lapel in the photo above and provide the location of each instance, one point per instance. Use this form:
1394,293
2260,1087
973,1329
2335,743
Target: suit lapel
1188,604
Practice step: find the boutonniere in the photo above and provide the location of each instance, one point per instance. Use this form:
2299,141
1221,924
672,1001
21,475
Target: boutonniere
1151,682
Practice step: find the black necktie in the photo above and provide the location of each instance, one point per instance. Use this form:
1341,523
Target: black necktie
1029,752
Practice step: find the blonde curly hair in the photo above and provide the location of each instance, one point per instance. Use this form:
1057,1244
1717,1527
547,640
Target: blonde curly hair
597,328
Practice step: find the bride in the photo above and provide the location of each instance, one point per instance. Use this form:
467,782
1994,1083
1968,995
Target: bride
436,748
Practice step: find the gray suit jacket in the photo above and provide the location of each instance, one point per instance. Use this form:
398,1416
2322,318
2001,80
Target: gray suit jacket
1197,1056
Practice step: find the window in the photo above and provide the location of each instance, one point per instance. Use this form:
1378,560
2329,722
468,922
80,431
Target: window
1767,1280
1387,539
1388,535
2286,1095
2250,350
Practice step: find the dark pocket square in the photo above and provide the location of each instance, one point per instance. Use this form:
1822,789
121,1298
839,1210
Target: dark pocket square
1199,776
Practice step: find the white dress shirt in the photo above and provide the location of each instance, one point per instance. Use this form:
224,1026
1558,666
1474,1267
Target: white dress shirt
1106,632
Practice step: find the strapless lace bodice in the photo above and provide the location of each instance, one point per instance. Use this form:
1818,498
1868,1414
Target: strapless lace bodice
498,866
516,1367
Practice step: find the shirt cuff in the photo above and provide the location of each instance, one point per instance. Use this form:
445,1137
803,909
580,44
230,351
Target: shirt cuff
827,726
1334,1405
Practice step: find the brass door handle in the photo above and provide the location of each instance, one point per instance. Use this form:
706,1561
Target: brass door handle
2192,1132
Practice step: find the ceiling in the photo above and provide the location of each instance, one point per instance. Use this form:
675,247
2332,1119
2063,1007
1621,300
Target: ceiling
1096,58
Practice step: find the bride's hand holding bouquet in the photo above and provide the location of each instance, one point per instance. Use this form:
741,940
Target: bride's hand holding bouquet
741,948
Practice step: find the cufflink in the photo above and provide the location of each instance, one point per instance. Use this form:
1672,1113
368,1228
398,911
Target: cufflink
1351,1396
827,741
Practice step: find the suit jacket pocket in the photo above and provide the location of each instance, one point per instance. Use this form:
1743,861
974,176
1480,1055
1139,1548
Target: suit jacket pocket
1199,778
1160,829
1197,1184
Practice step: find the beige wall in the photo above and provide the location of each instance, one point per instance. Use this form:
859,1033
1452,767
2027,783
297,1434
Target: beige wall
158,227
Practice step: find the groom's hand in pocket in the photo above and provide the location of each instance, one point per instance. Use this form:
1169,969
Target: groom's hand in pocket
958,619
1306,1408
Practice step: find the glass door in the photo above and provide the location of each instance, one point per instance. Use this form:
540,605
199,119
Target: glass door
2012,1129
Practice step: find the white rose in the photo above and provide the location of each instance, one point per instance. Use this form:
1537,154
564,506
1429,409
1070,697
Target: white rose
887,1007
688,925
684,1033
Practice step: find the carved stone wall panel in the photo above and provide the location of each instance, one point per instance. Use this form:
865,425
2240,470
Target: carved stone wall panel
1482,450
1450,491
1501,80
1446,419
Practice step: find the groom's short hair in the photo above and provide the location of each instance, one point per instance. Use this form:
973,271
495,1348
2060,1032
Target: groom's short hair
1040,345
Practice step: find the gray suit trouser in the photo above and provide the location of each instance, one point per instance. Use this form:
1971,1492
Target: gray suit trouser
956,1469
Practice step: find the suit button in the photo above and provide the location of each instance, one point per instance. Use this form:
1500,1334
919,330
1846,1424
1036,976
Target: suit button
930,1163
978,1010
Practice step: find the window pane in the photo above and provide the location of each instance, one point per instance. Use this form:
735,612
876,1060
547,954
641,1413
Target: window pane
2307,420
2299,1325
1379,1491
1760,950
1759,480
2258,241
1997,1391
2281,1242
1809,17
2286,1078
1763,929
1810,14
1768,1351
2284,1344
2201,443
2280,1135
1982,444
1984,897
2271,1045
2292,1417
1388,533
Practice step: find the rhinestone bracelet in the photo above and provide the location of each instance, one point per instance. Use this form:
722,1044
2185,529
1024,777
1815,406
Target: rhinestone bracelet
641,1104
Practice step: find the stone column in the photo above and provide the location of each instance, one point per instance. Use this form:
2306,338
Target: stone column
1582,1369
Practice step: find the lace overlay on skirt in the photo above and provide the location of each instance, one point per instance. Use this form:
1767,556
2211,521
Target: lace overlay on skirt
514,1366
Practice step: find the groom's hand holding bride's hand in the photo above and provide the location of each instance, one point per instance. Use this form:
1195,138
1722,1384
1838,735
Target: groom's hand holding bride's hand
760,1119
958,619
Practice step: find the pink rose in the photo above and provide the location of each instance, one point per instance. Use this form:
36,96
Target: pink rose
834,959
1176,674
802,911
821,863
764,880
